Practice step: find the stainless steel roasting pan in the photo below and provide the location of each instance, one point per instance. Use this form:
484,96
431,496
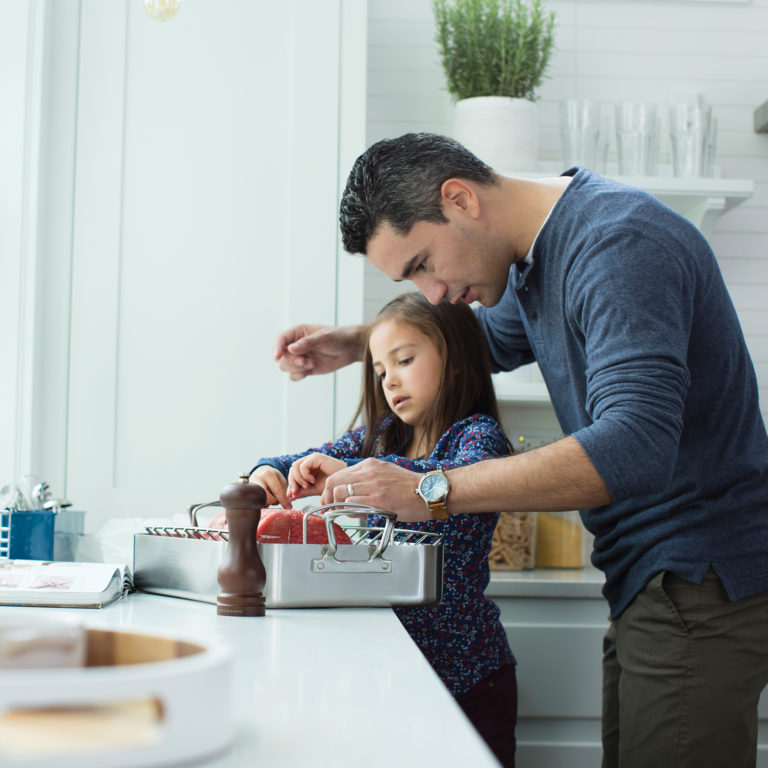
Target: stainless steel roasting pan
382,567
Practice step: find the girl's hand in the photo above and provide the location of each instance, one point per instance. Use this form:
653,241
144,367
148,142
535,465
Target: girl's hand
307,476
273,483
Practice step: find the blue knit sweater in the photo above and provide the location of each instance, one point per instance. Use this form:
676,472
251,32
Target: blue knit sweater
626,312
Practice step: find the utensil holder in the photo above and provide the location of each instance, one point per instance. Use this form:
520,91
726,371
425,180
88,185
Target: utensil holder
27,535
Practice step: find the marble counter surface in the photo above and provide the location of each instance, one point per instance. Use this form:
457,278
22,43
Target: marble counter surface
321,687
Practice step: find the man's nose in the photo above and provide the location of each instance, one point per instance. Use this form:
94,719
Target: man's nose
435,291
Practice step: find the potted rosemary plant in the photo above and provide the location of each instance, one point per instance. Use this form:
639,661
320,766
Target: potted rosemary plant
495,54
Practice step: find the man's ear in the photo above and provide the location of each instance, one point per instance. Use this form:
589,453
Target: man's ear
461,195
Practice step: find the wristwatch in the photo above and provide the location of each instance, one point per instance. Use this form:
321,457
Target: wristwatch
433,488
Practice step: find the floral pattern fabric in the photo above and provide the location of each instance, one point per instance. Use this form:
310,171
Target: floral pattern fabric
462,636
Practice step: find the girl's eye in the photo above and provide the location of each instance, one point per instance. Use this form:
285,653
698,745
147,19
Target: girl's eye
406,360
380,375
421,266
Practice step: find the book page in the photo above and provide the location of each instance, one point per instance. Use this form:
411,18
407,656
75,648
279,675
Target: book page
57,581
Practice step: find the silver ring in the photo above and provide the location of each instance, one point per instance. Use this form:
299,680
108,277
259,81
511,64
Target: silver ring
350,489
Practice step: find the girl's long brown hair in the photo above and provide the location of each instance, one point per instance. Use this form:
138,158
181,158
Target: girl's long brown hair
466,385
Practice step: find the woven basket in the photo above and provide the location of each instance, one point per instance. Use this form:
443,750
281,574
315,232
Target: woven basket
514,542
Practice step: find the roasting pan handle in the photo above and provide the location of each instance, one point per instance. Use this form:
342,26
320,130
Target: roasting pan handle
331,511
193,509
329,563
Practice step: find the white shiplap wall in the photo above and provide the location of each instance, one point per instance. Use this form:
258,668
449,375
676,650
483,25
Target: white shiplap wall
612,50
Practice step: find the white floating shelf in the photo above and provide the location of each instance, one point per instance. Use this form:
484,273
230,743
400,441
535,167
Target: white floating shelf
525,385
701,199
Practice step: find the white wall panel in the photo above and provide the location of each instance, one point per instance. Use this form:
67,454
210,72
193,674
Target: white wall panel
36,160
350,305
737,270
14,88
738,243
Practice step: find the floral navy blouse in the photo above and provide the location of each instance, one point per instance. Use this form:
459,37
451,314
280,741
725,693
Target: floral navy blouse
461,637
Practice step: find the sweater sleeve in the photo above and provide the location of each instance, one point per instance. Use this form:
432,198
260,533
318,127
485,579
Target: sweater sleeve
508,345
635,315
348,446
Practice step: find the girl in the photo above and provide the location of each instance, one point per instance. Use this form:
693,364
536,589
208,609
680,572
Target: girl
429,404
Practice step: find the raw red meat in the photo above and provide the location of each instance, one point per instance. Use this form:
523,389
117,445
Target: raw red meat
285,526
219,521
275,526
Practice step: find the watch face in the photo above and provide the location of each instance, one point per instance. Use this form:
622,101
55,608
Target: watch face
434,487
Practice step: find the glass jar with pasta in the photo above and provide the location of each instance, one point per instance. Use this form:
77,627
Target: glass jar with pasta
514,541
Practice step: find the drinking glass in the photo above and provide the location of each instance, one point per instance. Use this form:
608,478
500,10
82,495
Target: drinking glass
637,132
693,134
580,132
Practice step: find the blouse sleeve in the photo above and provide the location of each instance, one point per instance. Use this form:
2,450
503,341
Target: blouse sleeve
347,447
474,439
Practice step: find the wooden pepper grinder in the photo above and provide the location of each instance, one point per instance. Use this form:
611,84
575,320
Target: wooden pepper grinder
241,575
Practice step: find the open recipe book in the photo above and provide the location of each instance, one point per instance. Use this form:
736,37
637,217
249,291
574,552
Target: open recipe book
50,584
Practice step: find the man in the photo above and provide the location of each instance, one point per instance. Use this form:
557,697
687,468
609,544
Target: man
621,303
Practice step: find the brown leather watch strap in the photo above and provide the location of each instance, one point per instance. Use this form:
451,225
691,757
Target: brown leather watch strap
439,510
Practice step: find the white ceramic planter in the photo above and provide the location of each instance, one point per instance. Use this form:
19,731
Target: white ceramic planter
501,131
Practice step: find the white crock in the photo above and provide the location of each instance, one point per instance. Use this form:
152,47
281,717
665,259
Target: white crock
501,131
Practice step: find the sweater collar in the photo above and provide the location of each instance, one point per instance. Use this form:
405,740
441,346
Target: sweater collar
523,268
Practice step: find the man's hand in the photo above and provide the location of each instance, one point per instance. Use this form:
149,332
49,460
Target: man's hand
312,349
308,475
273,483
378,484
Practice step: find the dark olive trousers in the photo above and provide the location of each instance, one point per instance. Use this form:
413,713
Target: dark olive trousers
683,669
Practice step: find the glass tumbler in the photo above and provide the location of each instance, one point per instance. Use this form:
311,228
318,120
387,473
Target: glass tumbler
693,135
580,132
637,133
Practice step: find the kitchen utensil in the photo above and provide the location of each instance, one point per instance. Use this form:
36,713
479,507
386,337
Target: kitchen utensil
27,535
382,567
33,526
241,574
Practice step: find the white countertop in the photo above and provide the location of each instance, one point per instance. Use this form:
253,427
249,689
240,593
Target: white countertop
584,582
312,687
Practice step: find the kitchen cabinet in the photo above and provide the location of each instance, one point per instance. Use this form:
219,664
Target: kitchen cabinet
555,620
162,225
327,687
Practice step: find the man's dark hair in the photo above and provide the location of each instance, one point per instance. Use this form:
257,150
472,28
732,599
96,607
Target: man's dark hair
399,181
